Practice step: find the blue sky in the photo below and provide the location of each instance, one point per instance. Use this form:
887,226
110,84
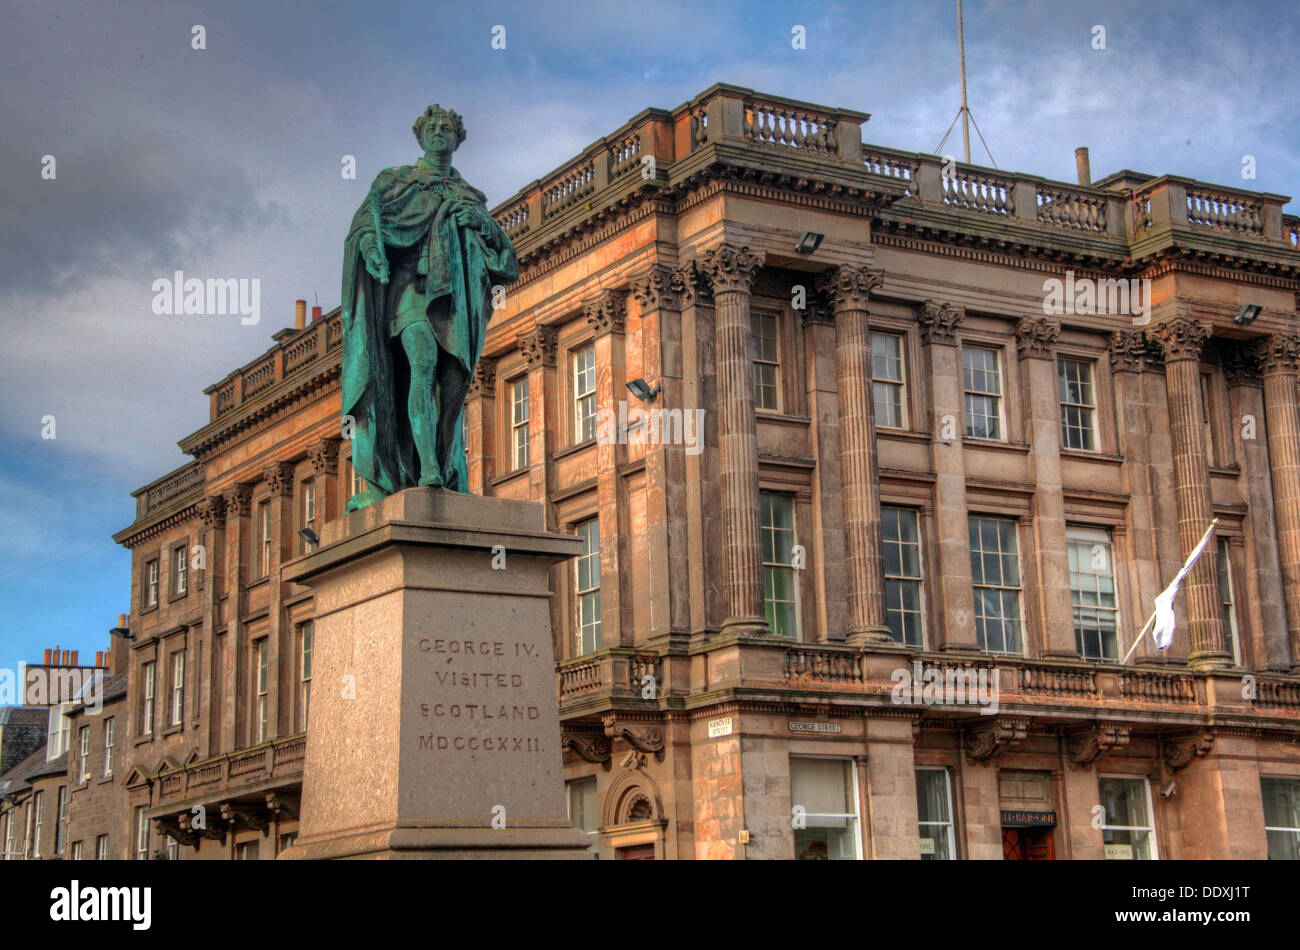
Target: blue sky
226,162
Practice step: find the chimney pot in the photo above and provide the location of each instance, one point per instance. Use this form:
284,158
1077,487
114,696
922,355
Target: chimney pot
75,654
47,656
99,658
315,314
1081,162
299,314
121,621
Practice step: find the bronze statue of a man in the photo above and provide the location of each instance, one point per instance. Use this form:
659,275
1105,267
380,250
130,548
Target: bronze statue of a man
419,266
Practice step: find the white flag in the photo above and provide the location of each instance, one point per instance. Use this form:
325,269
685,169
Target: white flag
1163,633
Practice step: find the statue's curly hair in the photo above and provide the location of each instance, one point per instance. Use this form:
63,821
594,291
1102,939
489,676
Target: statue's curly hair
429,113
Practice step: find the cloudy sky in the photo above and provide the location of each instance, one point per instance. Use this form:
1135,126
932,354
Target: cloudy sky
225,162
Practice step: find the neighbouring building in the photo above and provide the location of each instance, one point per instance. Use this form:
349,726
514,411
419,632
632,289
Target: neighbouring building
957,429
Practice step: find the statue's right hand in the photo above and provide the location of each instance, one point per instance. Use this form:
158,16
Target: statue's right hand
377,264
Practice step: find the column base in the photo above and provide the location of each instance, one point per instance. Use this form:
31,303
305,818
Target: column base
1210,661
870,636
745,627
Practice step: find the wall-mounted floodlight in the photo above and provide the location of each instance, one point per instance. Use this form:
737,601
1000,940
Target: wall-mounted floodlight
809,242
641,389
308,535
1247,314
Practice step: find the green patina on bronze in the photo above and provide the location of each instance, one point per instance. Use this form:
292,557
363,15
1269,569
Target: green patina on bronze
419,265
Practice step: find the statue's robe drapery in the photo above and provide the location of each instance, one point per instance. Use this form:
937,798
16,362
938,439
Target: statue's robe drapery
463,264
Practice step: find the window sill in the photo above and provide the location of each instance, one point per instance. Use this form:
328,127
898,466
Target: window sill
1086,456
573,449
106,780
508,476
780,418
148,610
998,445
176,597
143,740
908,435
173,730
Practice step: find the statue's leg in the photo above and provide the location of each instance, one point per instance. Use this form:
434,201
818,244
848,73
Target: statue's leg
422,409
363,447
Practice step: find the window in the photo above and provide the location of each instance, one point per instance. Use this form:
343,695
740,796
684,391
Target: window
108,746
584,394
173,850
308,513
934,814
888,393
59,731
588,587
263,704
246,851
1227,596
519,422
581,794
1126,827
826,791
1207,430
38,812
76,850
60,818
995,573
780,587
286,841
1092,593
180,571
83,769
141,834
146,705
177,711
983,382
1282,818
262,549
9,835
150,595
101,848
1078,404
900,541
308,632
767,362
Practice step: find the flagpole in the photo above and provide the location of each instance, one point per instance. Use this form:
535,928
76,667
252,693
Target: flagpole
1145,627
1196,553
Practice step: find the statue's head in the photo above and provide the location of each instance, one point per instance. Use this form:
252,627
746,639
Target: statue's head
439,130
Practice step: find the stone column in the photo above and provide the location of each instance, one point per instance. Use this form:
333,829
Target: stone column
538,348
1036,345
956,599
607,315
1129,354
666,486
827,485
238,501
731,271
848,289
324,458
1280,363
279,476
1182,339
480,416
212,511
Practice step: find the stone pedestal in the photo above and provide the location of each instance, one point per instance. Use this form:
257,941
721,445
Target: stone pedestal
434,730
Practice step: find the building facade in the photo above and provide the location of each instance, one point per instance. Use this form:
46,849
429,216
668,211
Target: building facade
878,461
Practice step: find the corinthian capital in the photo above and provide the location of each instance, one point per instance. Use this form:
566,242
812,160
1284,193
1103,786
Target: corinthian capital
538,346
607,312
485,377
279,476
1036,338
1279,353
212,511
237,499
1181,338
939,322
1129,351
730,268
848,288
657,288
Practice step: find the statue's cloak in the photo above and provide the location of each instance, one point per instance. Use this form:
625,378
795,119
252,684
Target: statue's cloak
463,264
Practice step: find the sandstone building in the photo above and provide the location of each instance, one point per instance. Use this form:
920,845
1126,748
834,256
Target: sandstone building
908,468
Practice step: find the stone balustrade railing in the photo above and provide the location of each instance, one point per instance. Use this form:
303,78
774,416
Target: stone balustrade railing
185,481
735,118
1157,687
281,758
1057,682
295,350
579,677
824,667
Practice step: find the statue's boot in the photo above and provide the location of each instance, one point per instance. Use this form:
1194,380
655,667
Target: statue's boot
367,497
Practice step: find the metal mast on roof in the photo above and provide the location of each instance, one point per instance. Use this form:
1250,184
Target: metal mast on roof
964,112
